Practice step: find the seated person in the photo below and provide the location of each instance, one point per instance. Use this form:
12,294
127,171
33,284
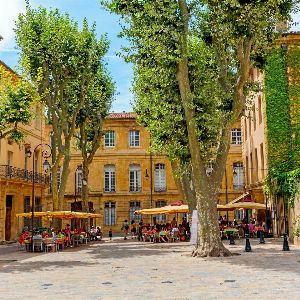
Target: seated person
251,227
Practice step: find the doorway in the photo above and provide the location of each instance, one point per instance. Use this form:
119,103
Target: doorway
9,199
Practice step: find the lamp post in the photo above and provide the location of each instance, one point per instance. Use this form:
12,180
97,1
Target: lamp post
46,166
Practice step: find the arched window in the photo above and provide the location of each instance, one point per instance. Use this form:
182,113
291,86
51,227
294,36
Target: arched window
238,176
109,178
135,178
160,178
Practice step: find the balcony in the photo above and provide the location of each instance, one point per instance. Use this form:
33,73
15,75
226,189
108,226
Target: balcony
12,173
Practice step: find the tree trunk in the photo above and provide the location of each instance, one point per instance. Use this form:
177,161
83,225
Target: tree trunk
63,181
209,242
85,193
183,183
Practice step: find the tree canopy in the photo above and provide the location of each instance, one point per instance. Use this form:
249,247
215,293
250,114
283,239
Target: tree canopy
16,97
192,61
64,62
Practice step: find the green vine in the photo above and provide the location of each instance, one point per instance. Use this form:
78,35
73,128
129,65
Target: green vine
283,112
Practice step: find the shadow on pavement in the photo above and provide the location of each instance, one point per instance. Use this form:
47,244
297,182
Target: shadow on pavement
41,265
127,249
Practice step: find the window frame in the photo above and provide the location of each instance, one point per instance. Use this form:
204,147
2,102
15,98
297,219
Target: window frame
110,170
110,213
110,139
160,179
134,138
236,136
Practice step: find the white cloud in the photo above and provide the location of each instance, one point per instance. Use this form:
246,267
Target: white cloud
9,10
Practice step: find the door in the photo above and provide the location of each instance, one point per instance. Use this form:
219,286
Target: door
8,217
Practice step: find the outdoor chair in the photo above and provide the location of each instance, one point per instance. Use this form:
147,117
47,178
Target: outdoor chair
60,244
49,244
37,244
175,236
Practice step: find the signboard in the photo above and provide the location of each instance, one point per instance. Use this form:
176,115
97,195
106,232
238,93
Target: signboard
194,228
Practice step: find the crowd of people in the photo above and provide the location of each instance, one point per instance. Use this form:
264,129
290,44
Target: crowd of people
64,236
243,226
163,233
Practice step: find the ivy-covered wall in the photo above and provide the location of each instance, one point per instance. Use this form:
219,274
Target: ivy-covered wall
282,95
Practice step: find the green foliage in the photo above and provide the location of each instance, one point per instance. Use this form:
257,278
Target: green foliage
16,97
155,30
297,226
283,124
66,64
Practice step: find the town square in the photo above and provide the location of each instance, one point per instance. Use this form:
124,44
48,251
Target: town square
149,149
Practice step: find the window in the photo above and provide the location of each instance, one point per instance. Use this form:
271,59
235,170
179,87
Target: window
259,109
238,176
262,161
78,175
27,209
110,213
109,139
109,178
160,218
135,178
134,138
251,169
236,136
256,164
58,180
160,178
133,206
10,163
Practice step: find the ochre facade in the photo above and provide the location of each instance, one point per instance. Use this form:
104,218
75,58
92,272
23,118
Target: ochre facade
16,176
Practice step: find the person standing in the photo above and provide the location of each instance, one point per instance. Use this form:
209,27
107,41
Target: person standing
110,234
125,227
140,233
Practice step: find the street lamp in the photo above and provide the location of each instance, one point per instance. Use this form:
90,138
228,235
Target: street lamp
46,167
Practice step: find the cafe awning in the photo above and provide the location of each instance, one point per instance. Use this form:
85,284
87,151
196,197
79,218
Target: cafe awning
239,198
170,209
247,205
60,215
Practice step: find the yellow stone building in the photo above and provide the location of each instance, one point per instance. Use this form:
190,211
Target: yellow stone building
124,177
16,175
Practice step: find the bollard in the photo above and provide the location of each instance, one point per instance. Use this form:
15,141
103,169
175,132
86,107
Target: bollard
248,246
285,243
231,239
261,238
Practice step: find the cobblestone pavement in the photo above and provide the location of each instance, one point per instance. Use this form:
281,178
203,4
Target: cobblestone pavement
121,269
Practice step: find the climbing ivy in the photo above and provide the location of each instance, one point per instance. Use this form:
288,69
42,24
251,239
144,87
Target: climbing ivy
282,112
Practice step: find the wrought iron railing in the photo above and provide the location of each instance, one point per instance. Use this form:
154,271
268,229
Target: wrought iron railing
13,173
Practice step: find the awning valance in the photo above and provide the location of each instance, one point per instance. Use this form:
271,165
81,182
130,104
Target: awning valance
60,214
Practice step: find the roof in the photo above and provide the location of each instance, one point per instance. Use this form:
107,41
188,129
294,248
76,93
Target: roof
8,68
122,115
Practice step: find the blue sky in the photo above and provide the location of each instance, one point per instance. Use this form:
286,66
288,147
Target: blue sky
78,9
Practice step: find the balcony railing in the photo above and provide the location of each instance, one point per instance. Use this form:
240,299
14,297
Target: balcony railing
12,173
